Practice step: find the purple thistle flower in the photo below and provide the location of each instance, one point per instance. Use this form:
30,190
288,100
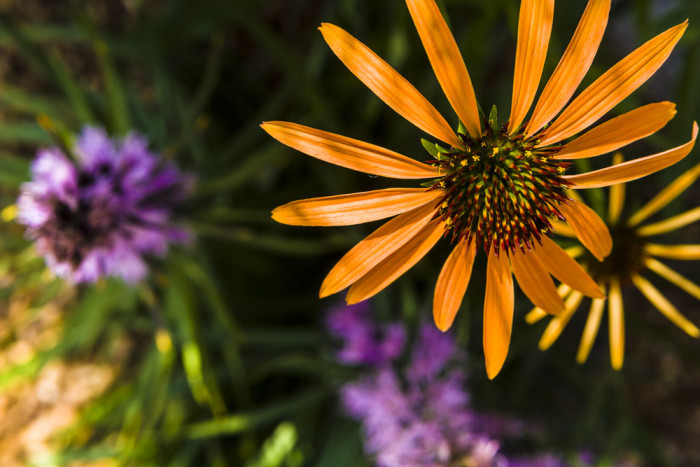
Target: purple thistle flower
420,417
364,342
99,215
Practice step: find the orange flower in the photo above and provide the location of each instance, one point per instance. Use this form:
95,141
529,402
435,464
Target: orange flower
632,254
493,187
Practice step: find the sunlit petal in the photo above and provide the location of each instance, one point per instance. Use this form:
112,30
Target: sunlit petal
619,132
616,196
535,282
452,284
589,228
447,62
614,86
564,268
573,65
346,152
354,208
534,29
375,248
634,169
396,264
498,313
537,314
388,84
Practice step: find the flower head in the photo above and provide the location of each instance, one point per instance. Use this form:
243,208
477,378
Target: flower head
634,253
420,416
97,215
494,187
364,342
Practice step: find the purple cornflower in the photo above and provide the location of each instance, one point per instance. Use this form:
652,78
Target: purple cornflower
419,417
99,214
364,342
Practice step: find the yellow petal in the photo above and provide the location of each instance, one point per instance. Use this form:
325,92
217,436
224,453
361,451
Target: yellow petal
564,268
595,314
354,208
396,264
535,282
589,228
620,131
375,248
672,276
664,306
616,325
683,252
634,169
573,66
498,313
668,194
346,152
388,84
672,223
616,196
558,323
447,62
534,29
537,313
452,284
562,228
614,86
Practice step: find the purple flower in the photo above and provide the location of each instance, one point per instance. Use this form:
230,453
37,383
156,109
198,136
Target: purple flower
98,215
420,417
364,342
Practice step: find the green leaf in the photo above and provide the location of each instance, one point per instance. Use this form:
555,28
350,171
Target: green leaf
246,421
116,98
431,148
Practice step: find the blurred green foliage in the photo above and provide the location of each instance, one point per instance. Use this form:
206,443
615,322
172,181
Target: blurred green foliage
228,360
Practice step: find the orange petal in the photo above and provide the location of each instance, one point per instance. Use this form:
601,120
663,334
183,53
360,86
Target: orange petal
634,169
573,66
354,208
668,194
595,315
498,313
388,84
535,282
346,152
681,252
589,228
397,263
558,323
564,268
534,29
620,131
615,85
452,284
447,62
616,325
375,248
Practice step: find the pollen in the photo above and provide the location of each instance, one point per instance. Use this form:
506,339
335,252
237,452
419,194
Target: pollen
500,191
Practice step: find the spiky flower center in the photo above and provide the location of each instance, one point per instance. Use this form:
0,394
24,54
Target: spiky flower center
500,190
627,258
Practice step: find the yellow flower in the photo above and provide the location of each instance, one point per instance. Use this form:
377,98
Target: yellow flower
501,203
633,253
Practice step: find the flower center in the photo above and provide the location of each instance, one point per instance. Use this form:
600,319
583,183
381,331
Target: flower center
500,190
626,259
